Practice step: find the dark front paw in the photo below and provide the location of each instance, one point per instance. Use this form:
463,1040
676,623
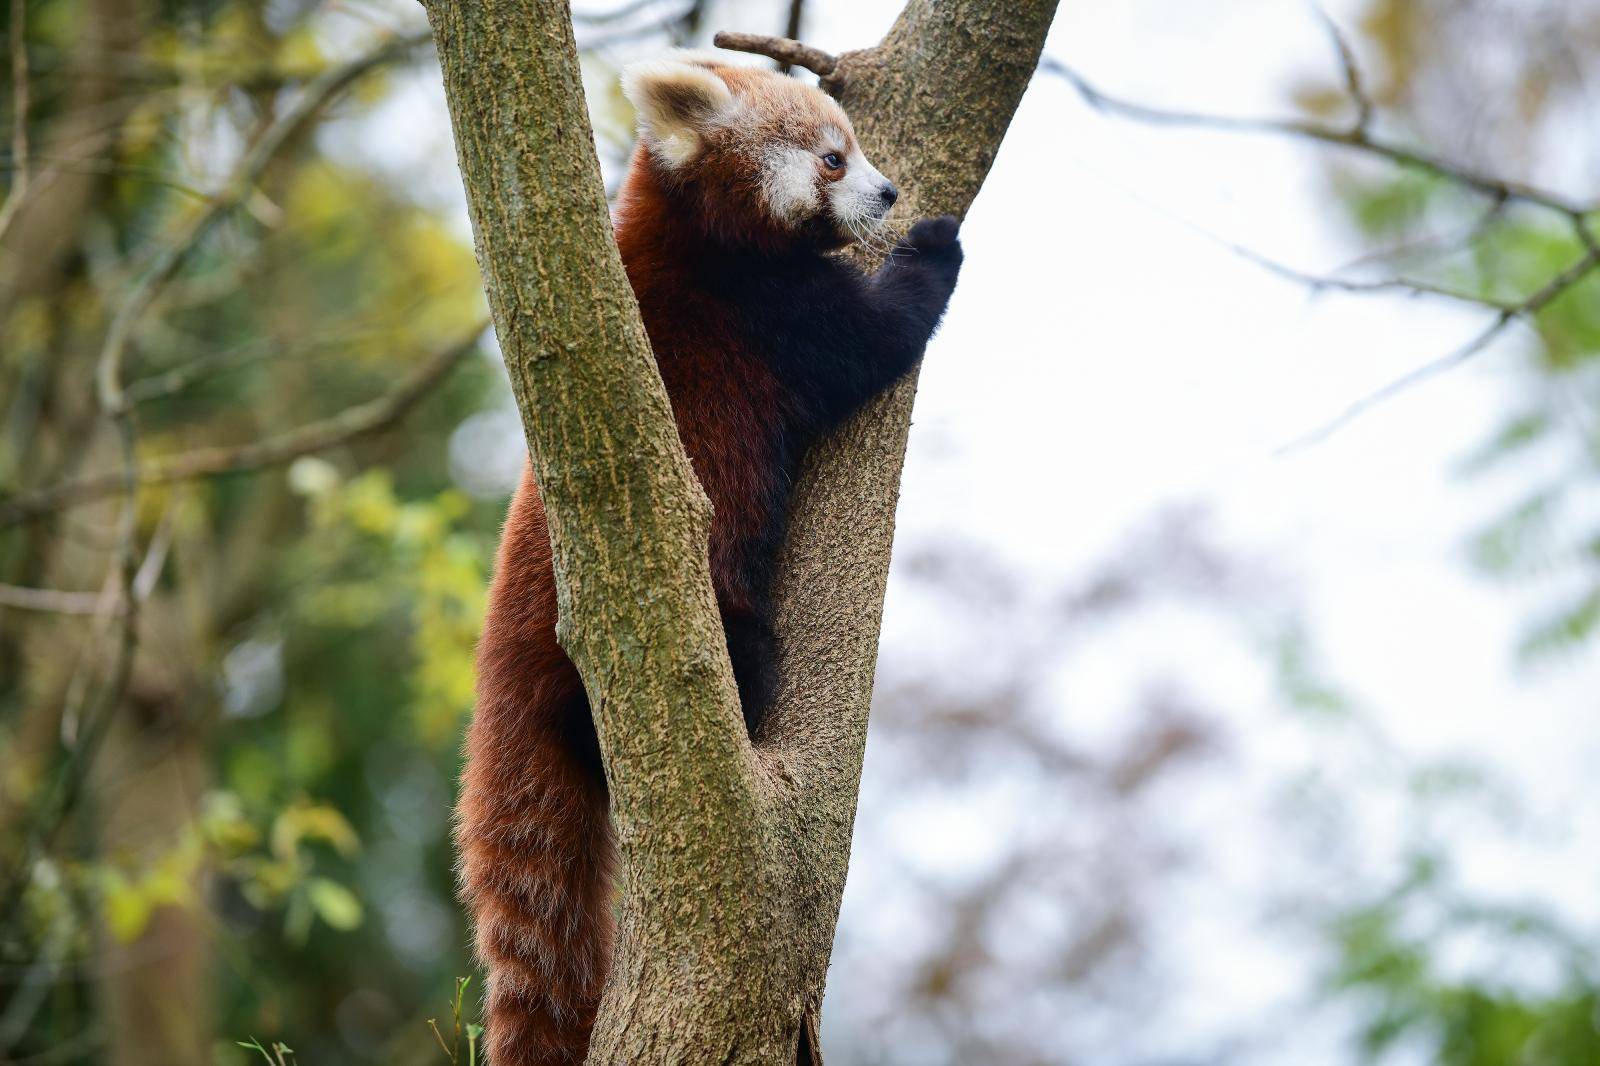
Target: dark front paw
933,247
934,234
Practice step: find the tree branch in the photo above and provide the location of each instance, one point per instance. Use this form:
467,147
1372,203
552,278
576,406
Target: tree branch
1317,284
1354,85
1547,294
52,601
793,26
1359,138
350,424
235,190
19,115
931,105
1355,139
620,13
788,52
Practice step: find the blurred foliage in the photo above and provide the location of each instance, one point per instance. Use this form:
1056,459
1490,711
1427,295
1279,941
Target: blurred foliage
1494,86
242,846
1435,971
1394,965
318,620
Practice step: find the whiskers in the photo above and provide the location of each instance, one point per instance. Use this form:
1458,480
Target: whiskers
872,233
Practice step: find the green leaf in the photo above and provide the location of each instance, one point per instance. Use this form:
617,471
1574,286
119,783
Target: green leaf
334,903
1567,629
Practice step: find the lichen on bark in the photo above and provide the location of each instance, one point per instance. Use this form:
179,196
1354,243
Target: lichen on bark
734,857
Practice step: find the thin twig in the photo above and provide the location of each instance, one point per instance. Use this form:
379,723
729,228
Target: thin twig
1546,295
1359,138
155,558
116,606
1586,235
19,114
52,601
69,165
1460,237
792,29
1353,84
670,25
616,14
1319,283
783,49
164,383
1355,139
1333,281
353,422
170,382
234,192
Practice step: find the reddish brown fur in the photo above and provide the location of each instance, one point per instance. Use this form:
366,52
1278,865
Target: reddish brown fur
537,852
535,844
762,341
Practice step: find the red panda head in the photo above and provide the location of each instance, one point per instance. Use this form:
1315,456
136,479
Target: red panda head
755,158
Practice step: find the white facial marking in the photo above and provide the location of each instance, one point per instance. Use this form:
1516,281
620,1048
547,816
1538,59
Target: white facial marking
856,199
789,182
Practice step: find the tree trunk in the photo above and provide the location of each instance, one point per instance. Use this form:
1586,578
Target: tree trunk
734,856
155,986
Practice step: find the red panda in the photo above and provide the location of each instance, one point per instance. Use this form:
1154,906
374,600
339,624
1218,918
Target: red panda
743,183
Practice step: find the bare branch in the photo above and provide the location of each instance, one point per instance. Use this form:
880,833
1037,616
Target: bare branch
1359,138
1416,377
19,114
349,424
155,558
1353,83
783,49
616,14
235,191
1535,303
86,716
1319,283
105,602
1586,235
673,24
1432,243
792,28
69,165
52,601
1354,139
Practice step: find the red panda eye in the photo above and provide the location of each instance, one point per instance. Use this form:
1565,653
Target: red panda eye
833,161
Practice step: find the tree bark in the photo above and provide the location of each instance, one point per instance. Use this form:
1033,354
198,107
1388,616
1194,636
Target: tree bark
734,857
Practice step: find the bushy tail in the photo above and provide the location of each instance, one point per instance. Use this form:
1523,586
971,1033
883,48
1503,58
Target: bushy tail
536,865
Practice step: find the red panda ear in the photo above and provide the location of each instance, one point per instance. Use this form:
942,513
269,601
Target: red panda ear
677,102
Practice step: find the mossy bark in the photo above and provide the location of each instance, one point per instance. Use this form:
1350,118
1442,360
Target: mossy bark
734,856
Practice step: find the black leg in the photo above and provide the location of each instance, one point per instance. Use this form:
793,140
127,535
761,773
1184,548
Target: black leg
913,288
576,721
753,648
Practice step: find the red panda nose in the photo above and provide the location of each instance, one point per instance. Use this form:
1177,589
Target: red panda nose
889,194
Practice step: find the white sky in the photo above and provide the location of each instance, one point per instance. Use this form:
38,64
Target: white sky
1103,358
